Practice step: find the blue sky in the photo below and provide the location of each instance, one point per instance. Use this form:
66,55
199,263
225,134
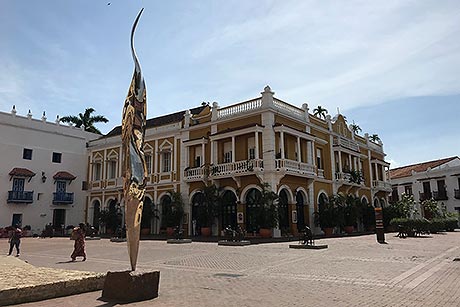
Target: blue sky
390,66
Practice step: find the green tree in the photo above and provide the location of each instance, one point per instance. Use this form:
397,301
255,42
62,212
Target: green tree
85,119
355,128
374,138
320,112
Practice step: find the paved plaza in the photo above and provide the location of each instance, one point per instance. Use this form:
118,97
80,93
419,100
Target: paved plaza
353,271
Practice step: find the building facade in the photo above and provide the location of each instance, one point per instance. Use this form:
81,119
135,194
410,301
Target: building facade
438,180
238,148
42,169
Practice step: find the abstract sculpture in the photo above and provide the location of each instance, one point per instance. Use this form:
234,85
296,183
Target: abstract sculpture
134,167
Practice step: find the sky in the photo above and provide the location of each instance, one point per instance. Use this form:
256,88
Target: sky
392,67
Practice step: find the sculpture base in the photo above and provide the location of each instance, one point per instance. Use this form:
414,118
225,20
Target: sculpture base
234,243
117,240
304,246
178,241
131,286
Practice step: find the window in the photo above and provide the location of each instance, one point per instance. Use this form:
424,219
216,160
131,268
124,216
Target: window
27,154
148,163
319,160
408,190
166,160
57,157
97,171
252,153
228,157
60,187
112,169
18,184
197,161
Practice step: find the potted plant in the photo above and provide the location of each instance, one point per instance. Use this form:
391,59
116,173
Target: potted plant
148,212
174,212
327,216
268,211
349,210
209,208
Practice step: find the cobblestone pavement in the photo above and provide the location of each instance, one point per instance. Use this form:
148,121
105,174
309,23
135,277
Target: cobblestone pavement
354,271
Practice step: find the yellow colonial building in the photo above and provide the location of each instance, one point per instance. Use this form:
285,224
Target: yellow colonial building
238,148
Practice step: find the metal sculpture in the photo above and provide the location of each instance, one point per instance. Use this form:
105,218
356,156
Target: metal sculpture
134,167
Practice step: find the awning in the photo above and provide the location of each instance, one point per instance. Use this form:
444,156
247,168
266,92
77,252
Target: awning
63,175
21,172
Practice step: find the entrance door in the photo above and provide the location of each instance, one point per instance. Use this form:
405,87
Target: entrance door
283,211
300,211
17,219
229,210
252,210
59,220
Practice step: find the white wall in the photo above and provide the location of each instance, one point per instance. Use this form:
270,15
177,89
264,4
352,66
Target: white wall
44,138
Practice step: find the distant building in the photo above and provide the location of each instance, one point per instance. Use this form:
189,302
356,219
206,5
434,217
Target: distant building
438,179
304,159
42,168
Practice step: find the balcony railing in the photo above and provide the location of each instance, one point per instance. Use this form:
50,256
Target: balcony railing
440,195
243,167
295,167
457,194
26,197
196,173
62,198
320,173
350,144
382,185
424,196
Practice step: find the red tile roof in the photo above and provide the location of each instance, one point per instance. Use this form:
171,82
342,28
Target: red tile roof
22,172
406,171
64,176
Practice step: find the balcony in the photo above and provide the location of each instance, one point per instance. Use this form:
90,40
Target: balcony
239,168
425,196
457,194
20,197
196,173
440,195
62,198
295,167
343,142
381,185
350,178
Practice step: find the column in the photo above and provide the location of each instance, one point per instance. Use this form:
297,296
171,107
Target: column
212,151
155,167
282,144
233,149
340,161
310,159
256,140
299,153
349,162
376,172
203,153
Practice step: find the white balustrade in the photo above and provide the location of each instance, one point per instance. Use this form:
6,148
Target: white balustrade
242,107
294,166
341,141
288,109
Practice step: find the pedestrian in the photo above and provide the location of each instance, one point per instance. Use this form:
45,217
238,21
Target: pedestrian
78,234
15,239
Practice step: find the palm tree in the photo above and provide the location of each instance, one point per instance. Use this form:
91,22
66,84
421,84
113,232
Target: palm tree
375,138
355,128
320,112
86,120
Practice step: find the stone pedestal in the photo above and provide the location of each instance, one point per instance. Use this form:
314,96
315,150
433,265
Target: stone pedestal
178,241
131,286
304,246
234,243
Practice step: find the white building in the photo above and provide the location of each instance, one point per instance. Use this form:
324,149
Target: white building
439,179
42,169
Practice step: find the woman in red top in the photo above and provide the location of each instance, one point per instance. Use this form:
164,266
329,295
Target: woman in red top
79,246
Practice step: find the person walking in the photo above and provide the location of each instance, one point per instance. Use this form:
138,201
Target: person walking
15,239
78,234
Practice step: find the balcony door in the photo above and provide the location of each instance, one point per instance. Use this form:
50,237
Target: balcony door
283,211
60,187
18,184
58,218
300,210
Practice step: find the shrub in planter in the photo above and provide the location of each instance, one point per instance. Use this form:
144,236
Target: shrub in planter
451,223
437,225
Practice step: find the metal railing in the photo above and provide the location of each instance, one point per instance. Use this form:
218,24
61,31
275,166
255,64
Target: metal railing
424,196
440,195
457,194
20,197
62,198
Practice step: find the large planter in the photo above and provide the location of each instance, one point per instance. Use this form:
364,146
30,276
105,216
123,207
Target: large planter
265,232
206,231
348,229
328,231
